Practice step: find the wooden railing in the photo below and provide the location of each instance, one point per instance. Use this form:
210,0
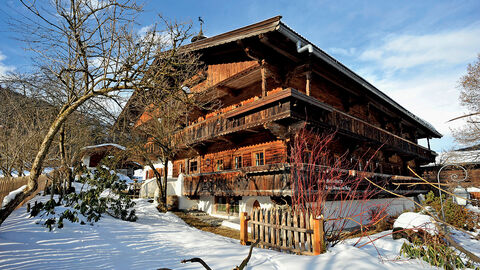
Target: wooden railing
221,125
278,106
284,230
359,127
274,180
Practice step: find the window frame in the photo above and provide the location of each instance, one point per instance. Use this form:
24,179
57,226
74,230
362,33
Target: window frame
236,164
190,163
219,163
254,157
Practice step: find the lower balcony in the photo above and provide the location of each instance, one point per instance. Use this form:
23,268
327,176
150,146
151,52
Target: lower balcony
274,180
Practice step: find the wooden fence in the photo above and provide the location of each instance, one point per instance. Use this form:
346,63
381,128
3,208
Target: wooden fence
284,230
8,185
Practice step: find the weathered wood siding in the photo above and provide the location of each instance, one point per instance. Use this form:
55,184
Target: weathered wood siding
274,152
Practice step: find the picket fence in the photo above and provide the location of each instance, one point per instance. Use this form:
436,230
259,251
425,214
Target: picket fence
283,230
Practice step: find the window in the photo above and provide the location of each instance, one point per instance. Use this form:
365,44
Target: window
227,205
219,164
193,166
259,158
238,162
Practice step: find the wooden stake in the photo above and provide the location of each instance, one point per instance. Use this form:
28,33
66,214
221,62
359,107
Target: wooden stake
244,228
318,236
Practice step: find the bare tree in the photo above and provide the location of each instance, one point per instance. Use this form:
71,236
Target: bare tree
319,177
168,108
85,49
470,99
23,120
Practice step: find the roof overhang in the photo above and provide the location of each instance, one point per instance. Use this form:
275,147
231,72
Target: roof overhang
276,25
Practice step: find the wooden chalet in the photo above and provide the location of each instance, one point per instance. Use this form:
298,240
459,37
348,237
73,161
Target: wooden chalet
271,82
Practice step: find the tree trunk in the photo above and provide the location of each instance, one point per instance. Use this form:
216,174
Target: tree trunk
65,168
165,179
158,179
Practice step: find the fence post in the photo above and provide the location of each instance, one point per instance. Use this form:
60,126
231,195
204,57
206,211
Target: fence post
244,228
318,236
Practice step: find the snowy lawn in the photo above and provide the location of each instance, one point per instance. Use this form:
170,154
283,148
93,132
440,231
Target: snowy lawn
162,240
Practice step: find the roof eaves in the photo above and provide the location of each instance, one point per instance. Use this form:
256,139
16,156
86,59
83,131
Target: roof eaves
237,34
294,36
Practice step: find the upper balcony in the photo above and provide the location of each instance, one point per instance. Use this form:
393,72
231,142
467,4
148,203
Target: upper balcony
284,107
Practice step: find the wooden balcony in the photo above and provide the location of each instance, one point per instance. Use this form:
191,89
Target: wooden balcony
241,116
274,180
356,127
282,105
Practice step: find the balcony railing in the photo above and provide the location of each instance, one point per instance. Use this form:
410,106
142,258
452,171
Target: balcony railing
345,122
275,181
279,105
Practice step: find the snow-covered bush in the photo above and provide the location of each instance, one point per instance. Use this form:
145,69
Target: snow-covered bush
102,192
435,252
456,215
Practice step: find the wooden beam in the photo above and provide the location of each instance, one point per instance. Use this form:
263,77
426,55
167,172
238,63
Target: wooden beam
278,130
251,53
227,90
308,81
276,48
264,78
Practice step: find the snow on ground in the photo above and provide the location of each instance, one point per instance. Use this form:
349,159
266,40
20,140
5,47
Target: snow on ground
162,240
411,220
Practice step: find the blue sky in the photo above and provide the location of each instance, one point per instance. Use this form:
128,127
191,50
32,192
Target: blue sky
414,51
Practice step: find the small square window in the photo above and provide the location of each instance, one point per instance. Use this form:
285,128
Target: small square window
193,166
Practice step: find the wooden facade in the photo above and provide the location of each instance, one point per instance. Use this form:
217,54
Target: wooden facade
269,89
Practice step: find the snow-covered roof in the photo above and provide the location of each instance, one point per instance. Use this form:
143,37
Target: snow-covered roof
105,145
456,158
473,189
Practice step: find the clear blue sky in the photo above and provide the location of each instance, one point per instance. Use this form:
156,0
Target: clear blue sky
414,51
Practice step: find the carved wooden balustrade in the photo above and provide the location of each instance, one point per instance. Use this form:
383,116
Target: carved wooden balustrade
282,105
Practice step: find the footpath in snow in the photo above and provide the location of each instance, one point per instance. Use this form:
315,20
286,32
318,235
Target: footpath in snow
159,240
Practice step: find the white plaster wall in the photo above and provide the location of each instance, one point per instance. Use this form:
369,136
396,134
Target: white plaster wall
246,203
174,187
159,165
147,190
333,209
183,201
205,203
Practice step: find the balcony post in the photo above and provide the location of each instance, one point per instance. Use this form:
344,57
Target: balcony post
308,79
264,78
